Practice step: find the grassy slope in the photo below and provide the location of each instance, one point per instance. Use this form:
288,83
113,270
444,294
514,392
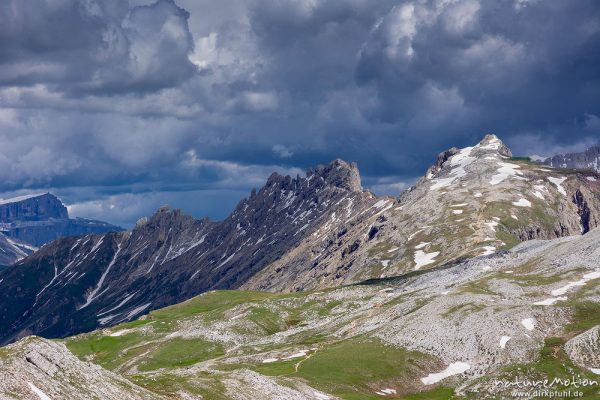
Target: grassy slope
352,369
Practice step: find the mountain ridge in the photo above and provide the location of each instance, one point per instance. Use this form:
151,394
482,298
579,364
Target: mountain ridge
296,234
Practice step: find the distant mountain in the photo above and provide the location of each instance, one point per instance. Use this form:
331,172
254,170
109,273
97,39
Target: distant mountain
34,220
589,159
299,234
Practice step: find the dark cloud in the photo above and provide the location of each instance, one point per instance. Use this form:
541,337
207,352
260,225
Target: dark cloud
113,103
101,47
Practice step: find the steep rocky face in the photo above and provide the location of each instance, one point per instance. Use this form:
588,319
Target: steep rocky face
39,219
589,159
32,208
77,284
473,201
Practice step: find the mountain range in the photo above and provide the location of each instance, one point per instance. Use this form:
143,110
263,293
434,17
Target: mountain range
314,288
589,159
27,222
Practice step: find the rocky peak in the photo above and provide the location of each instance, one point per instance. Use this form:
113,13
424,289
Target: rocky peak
441,159
165,218
492,142
339,173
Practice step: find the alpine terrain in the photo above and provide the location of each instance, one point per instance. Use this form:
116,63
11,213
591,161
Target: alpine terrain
483,274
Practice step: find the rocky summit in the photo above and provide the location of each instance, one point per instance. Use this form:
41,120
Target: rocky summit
484,271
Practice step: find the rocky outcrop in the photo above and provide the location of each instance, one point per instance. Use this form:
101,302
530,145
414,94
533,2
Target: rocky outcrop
584,349
37,368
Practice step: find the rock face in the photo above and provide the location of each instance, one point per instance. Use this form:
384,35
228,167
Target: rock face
298,234
38,219
40,207
589,159
77,284
37,368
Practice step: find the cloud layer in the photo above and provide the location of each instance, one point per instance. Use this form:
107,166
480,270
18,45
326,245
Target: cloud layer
132,104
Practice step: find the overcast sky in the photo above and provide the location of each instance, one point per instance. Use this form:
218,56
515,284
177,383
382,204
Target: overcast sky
119,107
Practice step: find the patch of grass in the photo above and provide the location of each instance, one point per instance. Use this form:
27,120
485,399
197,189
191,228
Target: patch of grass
170,385
266,319
178,352
356,368
476,287
552,363
107,351
326,309
510,239
586,316
211,301
439,393
278,368
536,279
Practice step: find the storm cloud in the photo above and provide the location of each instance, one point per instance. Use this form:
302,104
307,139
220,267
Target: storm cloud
122,106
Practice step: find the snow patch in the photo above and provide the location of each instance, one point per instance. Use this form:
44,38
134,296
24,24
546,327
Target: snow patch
488,250
586,278
492,225
503,341
385,392
20,198
558,182
40,394
452,369
522,203
458,161
505,171
457,212
591,179
550,301
422,258
121,332
528,323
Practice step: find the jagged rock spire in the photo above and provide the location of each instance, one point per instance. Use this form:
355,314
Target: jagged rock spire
339,173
